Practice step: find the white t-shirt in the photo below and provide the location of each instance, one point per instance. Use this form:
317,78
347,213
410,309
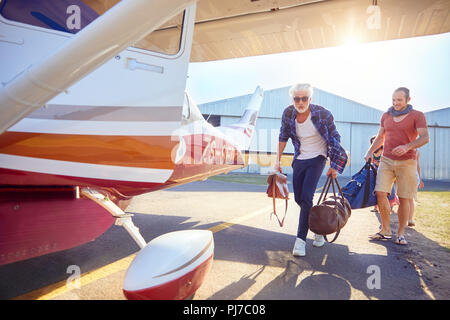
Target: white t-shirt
311,142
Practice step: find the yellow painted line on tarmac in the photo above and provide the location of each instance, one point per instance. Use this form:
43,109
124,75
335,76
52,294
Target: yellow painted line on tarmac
56,289
51,291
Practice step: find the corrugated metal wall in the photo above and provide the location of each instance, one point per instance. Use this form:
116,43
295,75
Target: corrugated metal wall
434,156
276,100
439,118
355,122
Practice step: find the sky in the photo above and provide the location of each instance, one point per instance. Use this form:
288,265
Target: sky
366,73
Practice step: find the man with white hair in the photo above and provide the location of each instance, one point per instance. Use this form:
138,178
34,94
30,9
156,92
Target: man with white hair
314,136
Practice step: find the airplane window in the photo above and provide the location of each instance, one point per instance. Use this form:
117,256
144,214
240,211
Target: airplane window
167,39
73,15
212,119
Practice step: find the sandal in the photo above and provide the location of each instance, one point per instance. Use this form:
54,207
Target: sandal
401,240
379,236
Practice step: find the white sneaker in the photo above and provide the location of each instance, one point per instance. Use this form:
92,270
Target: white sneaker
319,240
299,248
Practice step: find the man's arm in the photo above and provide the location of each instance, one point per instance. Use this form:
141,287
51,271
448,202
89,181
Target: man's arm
378,142
423,139
418,169
282,139
337,160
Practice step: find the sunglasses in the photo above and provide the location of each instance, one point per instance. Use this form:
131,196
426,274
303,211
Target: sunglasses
304,99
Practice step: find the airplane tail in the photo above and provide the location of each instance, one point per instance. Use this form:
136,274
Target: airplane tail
241,132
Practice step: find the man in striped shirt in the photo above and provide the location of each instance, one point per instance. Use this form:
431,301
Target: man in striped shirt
313,133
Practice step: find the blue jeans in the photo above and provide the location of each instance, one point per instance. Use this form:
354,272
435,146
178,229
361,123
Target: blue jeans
305,179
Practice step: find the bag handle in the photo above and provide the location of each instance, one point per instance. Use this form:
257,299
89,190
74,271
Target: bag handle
281,223
340,192
369,166
331,181
326,186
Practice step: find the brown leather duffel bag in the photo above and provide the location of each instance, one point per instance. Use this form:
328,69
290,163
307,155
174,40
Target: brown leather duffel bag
278,189
331,215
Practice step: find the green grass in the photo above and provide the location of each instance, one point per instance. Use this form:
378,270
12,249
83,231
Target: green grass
432,216
257,179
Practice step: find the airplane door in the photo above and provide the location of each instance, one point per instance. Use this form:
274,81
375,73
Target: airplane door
115,124
151,74
141,76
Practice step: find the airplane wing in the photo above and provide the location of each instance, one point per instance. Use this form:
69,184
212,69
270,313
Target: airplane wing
89,49
236,28
223,30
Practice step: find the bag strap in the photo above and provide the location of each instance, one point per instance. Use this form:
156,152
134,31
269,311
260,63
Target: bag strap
340,192
339,187
336,235
281,223
330,182
334,181
369,167
326,186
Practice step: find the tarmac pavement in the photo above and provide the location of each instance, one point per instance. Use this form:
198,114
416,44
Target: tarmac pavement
252,257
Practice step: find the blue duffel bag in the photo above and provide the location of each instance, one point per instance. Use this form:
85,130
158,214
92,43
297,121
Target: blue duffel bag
360,190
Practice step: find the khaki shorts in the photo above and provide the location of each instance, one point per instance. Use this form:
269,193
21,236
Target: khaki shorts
404,171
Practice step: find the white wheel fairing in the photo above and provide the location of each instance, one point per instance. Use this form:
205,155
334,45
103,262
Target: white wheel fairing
168,257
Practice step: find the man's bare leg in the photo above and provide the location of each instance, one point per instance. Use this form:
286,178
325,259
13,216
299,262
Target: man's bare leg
385,213
411,213
403,215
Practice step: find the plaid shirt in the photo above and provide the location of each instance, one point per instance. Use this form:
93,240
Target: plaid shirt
324,123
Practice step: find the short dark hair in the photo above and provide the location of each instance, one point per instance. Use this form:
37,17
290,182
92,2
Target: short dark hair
405,90
373,138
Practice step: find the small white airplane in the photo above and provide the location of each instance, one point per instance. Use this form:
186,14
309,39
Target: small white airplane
94,111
